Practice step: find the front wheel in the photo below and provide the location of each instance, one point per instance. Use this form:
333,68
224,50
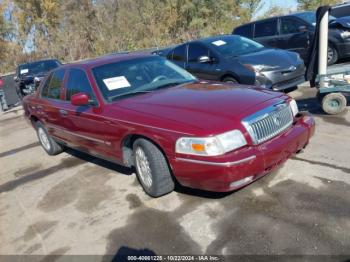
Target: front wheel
334,103
47,142
332,55
230,79
152,168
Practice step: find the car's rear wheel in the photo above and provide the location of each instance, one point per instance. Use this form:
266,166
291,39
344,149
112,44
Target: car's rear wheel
47,142
332,55
152,168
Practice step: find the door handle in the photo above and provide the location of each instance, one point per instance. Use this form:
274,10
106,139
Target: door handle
63,112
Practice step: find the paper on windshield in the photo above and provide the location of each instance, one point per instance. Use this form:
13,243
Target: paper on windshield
24,71
219,43
116,82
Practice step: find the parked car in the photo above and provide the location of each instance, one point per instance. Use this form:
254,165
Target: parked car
236,59
295,32
29,75
146,112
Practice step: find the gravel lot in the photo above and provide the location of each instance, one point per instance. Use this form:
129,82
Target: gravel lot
76,204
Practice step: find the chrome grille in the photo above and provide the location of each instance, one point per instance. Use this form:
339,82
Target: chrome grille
269,122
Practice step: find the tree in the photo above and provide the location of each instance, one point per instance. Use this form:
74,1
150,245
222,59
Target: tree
77,29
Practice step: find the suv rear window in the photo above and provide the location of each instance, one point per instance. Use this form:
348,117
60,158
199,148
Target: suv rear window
246,30
266,28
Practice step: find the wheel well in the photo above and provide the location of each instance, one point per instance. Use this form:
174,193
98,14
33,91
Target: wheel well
330,43
229,75
127,149
33,120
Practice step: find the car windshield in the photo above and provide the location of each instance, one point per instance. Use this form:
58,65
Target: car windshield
310,17
233,45
140,75
38,67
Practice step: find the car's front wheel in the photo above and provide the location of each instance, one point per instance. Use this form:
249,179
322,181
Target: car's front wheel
332,56
152,168
230,79
47,142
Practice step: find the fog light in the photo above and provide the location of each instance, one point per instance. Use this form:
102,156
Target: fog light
241,182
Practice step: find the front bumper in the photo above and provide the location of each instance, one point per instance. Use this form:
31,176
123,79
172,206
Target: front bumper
246,165
282,79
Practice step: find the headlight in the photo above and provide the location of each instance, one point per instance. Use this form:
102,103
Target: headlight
345,34
294,106
211,146
260,68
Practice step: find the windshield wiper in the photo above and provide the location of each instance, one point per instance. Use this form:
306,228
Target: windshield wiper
171,84
136,92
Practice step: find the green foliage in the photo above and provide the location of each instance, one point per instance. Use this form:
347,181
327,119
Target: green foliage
314,4
77,29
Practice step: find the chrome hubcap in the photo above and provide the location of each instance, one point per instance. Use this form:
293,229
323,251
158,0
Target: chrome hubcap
44,139
143,167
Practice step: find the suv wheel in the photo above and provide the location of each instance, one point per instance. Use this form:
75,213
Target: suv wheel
332,55
152,168
50,145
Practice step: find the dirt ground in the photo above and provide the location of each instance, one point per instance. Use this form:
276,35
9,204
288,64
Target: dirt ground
77,204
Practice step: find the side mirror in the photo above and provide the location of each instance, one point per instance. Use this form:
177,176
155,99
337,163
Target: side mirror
80,99
204,59
302,29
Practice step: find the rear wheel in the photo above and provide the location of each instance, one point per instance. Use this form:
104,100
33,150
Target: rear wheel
152,168
334,103
47,142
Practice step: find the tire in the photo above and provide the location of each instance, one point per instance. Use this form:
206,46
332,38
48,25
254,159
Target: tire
333,55
334,103
230,79
157,179
47,142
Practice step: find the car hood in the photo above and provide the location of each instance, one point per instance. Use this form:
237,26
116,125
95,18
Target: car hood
273,58
342,21
207,106
29,79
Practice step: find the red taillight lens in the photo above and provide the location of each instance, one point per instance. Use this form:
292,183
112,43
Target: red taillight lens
1,83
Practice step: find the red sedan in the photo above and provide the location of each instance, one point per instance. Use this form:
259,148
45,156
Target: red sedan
145,112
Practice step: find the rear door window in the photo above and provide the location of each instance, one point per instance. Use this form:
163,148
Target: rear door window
180,53
266,28
52,87
246,30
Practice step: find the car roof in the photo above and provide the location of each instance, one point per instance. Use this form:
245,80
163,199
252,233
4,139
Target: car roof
106,59
212,38
38,61
275,17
